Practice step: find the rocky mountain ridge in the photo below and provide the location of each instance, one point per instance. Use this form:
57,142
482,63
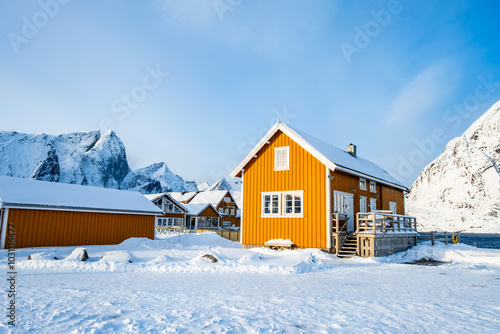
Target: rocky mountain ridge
85,158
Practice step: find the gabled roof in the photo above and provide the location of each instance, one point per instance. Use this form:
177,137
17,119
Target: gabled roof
332,157
196,209
155,197
213,197
27,193
182,197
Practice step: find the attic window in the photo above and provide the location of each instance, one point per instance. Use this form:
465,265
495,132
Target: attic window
282,158
373,186
362,183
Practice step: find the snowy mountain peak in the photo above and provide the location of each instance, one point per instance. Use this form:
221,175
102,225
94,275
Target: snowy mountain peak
221,184
460,190
85,158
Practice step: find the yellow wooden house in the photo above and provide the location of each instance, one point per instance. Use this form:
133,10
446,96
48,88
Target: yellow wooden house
297,187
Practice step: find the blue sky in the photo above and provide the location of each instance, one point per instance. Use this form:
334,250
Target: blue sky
197,83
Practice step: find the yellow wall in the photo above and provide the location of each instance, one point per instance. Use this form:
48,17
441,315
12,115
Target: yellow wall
39,228
306,173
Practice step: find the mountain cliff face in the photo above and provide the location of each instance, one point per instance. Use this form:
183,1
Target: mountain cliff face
460,190
82,158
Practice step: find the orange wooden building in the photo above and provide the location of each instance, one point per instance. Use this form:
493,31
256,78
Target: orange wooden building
296,187
39,213
224,203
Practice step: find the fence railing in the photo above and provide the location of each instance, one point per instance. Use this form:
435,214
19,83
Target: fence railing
227,234
441,236
383,222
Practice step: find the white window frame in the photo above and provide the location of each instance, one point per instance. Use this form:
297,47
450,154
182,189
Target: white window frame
271,194
221,211
226,224
227,199
362,183
393,207
284,165
363,204
231,211
373,186
282,205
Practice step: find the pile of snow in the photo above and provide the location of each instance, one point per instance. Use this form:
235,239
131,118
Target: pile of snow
460,190
259,289
188,254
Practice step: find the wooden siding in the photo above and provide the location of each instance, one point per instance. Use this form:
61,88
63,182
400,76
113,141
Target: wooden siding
229,218
41,228
209,212
306,173
350,184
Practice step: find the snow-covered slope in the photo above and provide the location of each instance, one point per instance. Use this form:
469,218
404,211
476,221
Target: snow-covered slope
460,190
221,184
82,158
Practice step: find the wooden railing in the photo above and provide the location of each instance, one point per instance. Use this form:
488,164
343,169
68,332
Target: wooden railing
339,229
339,222
383,222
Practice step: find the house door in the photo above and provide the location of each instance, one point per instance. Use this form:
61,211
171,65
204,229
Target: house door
344,203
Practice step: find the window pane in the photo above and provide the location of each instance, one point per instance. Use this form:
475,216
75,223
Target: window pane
288,203
275,204
298,204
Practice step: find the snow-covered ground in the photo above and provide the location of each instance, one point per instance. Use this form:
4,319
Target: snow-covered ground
170,287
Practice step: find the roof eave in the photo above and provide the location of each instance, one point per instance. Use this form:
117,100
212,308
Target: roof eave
75,208
353,172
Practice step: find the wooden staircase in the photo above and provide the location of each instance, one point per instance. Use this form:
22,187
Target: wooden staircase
349,247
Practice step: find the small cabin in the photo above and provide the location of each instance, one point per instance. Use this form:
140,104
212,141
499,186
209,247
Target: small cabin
42,214
298,187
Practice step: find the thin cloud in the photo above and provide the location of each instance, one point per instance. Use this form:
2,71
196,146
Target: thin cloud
423,93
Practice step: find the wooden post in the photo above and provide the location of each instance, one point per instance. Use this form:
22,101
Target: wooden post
433,238
446,238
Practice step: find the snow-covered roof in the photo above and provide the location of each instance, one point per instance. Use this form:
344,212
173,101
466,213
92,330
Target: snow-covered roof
196,209
182,197
155,197
17,192
330,155
213,197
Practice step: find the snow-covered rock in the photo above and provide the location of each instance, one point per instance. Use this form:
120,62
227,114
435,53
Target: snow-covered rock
221,184
460,190
79,254
83,158
117,256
